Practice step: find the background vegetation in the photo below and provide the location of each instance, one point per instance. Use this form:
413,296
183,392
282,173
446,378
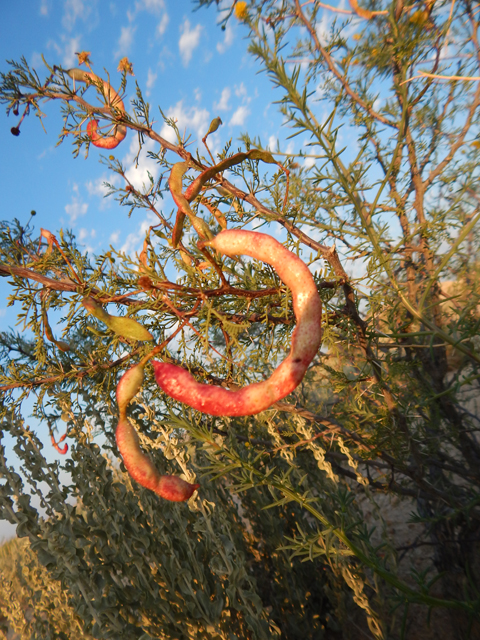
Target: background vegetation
279,541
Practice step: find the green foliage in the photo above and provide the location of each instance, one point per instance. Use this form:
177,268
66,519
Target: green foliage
276,544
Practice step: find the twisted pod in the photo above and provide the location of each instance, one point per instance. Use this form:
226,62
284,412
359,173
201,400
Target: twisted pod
306,339
138,465
113,100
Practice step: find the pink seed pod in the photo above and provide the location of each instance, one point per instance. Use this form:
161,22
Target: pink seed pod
128,386
113,99
306,339
141,469
105,142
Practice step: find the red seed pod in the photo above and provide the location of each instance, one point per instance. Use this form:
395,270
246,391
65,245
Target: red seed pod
63,450
306,339
175,489
142,470
113,99
105,142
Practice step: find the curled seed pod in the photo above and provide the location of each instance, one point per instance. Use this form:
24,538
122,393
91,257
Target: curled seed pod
129,385
125,327
113,99
105,142
142,470
176,185
306,339
63,450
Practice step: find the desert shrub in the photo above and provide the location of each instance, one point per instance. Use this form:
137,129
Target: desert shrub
276,542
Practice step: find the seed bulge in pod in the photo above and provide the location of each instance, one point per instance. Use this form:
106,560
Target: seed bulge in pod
129,385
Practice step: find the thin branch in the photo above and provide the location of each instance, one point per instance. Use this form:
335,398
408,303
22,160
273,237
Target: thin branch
331,65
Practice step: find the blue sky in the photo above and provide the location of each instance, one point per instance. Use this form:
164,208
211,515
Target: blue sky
183,62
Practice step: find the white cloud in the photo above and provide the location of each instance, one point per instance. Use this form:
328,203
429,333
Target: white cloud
192,119
222,104
114,237
228,39
189,40
239,117
241,90
71,47
153,6
83,234
156,7
165,55
137,174
125,41
97,187
272,143
308,162
162,25
134,240
36,59
76,208
323,29
77,9
66,49
44,8
151,78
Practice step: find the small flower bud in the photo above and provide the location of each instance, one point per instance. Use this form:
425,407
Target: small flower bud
15,131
